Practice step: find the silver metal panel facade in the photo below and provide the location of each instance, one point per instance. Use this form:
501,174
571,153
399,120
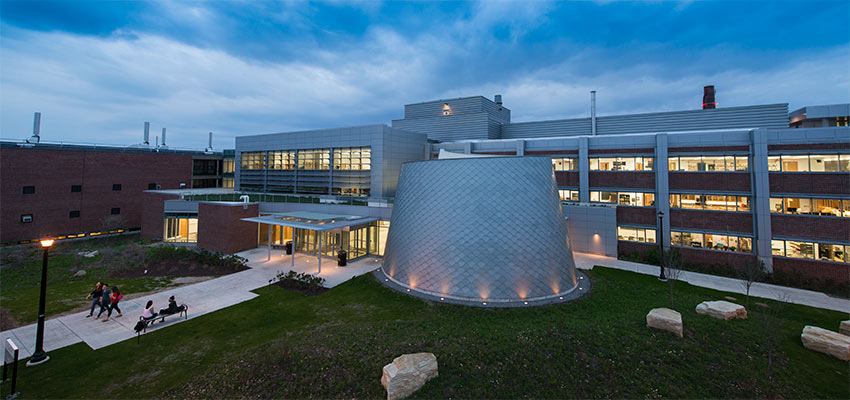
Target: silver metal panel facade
481,228
450,127
760,116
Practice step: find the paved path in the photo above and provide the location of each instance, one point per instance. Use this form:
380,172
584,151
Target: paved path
203,297
216,294
764,290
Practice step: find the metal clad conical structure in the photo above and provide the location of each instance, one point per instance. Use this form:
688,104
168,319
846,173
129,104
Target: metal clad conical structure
480,228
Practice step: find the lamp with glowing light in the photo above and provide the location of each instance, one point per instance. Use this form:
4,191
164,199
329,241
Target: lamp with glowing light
40,356
661,244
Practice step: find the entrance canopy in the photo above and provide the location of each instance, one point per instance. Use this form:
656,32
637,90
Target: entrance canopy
312,220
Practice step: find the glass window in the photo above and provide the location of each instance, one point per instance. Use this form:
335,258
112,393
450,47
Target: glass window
691,164
846,205
797,206
608,197
228,166
594,196
252,160
649,199
773,163
314,159
179,229
622,163
626,233
675,238
353,158
675,201
692,201
831,207
742,163
594,164
745,244
691,239
716,242
717,202
714,163
795,163
825,163
565,164
776,205
830,252
227,182
282,159
777,247
649,163
743,203
844,163
673,163
568,195
799,249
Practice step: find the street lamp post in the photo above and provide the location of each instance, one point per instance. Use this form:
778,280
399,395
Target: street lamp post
40,356
661,244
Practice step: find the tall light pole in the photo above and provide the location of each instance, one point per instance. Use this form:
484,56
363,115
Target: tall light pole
661,244
40,356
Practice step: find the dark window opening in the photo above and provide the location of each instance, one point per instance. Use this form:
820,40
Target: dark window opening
205,167
76,188
26,218
29,189
74,214
116,186
115,211
151,186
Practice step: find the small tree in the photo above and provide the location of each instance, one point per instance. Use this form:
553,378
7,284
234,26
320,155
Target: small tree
769,322
672,269
750,273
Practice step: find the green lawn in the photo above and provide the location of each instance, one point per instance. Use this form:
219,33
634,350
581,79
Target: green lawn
283,344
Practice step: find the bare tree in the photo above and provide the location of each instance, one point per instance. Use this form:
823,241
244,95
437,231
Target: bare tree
750,273
770,322
673,269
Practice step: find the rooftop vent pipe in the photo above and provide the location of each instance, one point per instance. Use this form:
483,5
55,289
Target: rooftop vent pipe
708,102
498,99
593,112
209,149
163,138
147,133
36,129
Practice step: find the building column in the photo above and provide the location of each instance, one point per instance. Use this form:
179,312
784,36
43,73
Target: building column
520,148
583,168
467,148
761,197
662,189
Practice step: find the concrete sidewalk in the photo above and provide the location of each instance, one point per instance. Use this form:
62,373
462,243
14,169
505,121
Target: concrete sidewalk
202,298
791,295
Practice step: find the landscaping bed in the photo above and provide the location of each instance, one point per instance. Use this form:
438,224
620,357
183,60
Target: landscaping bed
282,344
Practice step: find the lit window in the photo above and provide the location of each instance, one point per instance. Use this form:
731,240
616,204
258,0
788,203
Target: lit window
622,164
644,235
446,109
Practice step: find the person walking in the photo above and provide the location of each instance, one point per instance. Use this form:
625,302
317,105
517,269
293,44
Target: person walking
105,299
95,294
115,297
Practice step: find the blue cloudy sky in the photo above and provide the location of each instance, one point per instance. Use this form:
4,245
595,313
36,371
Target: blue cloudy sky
98,70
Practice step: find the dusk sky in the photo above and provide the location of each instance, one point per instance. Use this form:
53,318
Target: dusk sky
97,70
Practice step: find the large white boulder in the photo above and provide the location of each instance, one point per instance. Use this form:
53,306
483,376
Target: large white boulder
844,328
665,319
722,310
407,373
826,341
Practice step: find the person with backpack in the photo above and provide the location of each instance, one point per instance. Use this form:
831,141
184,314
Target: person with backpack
95,294
105,299
113,305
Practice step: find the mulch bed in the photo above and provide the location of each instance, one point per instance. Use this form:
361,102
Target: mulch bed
298,286
175,268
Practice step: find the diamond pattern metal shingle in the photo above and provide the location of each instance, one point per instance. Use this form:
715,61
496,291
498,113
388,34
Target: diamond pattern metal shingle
480,228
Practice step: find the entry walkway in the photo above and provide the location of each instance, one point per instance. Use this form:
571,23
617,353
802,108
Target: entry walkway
791,295
202,298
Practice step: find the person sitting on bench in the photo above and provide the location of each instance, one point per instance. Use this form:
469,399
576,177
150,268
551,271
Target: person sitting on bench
172,307
148,313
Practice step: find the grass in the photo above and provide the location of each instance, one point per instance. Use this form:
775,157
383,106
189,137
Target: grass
284,344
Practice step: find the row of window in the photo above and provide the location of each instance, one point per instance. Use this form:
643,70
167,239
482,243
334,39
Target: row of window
79,188
806,163
347,158
228,166
622,164
27,218
712,241
796,205
568,195
565,164
709,163
636,199
643,235
710,202
810,250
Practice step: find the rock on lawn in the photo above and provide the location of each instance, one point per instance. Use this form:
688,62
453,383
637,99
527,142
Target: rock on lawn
722,310
665,319
825,341
407,373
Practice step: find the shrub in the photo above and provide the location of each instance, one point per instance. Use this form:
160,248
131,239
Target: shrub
306,280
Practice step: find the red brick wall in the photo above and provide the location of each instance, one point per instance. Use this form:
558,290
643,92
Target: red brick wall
818,183
811,269
709,181
811,227
625,247
712,220
566,178
548,152
636,215
706,149
809,146
713,257
644,150
220,228
621,179
153,211
52,172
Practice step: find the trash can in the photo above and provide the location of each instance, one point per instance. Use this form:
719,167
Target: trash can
288,247
341,258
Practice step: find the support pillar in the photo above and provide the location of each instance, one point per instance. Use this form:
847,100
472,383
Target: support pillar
662,189
583,171
761,197
269,258
319,255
